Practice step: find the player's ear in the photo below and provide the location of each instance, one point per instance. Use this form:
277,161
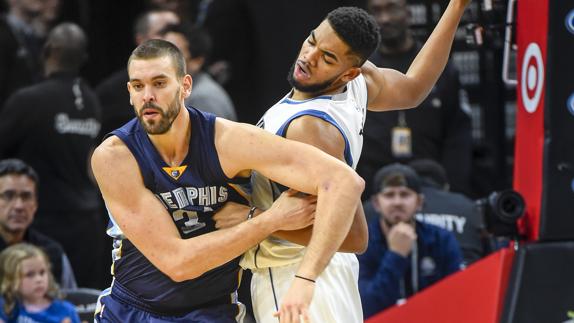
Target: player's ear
350,74
187,84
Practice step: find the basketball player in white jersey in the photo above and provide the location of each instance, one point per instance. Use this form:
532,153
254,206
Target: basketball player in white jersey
333,85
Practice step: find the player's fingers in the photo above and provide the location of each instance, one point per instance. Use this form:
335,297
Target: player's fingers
285,316
305,318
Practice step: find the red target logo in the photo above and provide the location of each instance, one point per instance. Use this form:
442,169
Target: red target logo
532,80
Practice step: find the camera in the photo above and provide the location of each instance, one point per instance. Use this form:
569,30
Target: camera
500,211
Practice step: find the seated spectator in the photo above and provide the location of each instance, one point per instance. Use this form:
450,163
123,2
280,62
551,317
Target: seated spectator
448,210
18,205
29,292
207,94
404,256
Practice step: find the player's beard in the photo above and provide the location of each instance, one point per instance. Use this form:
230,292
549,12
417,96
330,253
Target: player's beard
311,88
166,120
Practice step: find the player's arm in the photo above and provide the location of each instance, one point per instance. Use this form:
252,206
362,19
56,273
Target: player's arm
303,168
390,89
148,225
328,138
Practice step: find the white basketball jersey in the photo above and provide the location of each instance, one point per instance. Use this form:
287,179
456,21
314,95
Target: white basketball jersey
346,111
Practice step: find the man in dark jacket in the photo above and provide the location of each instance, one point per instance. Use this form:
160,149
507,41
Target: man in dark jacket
18,205
404,256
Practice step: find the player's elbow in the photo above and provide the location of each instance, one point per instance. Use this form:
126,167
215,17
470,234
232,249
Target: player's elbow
179,271
356,183
356,242
181,274
361,244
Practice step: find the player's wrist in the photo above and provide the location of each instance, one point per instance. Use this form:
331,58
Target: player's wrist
266,222
305,278
251,213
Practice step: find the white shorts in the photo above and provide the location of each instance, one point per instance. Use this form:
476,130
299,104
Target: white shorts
336,298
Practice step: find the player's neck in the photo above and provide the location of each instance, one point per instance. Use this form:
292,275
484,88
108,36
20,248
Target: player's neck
298,95
173,145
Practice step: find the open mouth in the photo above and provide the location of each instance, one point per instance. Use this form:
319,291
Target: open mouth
302,70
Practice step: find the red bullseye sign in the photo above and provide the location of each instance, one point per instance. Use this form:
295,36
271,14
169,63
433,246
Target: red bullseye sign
532,80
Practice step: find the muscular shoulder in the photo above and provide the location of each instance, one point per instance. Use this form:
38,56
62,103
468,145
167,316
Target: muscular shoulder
111,153
319,133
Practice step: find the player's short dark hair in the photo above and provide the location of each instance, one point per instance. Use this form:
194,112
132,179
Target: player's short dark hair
155,48
15,166
357,29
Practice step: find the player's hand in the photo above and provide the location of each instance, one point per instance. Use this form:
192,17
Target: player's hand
295,305
401,237
230,215
293,211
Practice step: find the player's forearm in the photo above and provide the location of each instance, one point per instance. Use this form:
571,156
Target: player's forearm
200,254
432,58
356,240
336,200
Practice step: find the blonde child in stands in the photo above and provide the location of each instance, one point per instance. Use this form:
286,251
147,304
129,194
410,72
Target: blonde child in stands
29,292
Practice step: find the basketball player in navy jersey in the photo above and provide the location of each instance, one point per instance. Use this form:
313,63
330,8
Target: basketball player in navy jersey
165,173
333,86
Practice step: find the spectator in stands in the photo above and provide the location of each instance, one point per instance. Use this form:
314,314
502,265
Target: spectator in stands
20,47
404,256
18,205
29,292
53,127
207,95
448,210
439,128
47,18
112,91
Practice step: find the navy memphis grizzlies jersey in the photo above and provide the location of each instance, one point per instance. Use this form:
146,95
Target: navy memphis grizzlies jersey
191,193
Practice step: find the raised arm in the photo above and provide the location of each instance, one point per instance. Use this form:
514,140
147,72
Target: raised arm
390,89
147,224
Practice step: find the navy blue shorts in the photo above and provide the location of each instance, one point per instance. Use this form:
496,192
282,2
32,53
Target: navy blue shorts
113,310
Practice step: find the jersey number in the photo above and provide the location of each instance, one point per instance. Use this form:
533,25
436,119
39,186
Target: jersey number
191,220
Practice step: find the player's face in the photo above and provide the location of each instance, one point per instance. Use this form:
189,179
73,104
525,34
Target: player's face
324,62
18,203
156,93
397,204
34,279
